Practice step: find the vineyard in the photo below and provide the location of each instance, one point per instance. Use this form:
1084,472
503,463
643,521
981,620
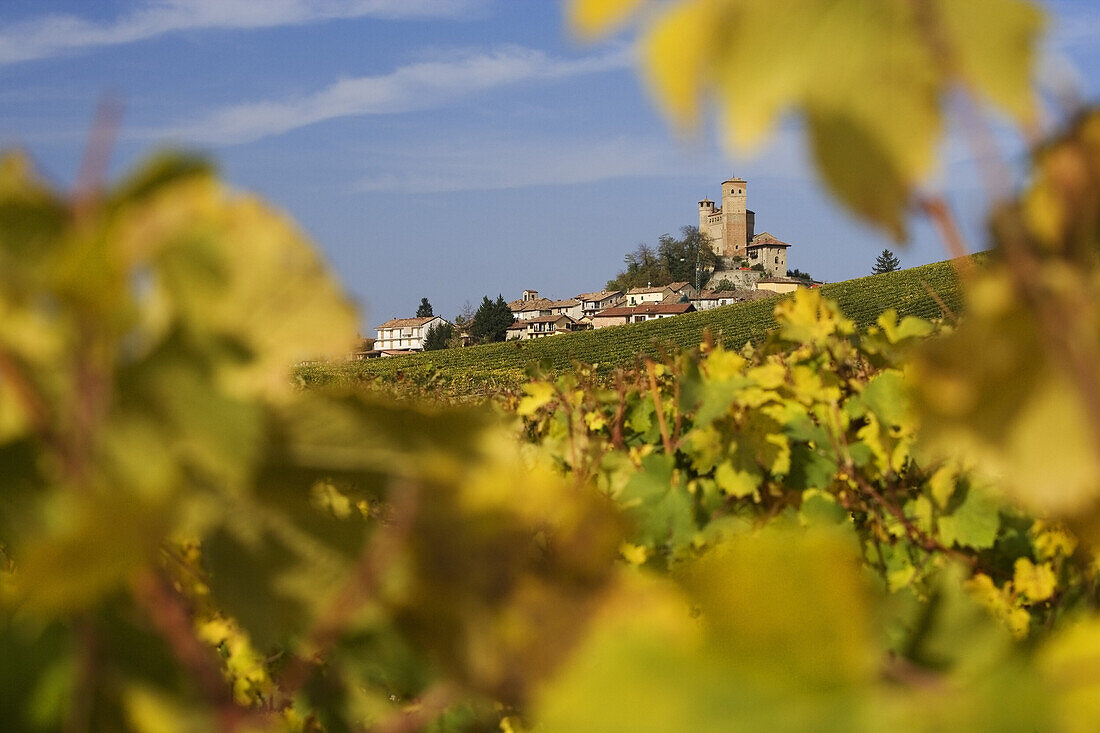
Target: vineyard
491,367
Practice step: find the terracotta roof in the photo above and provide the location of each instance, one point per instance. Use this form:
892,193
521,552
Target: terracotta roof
654,308
622,310
642,291
549,319
518,325
680,285
601,295
715,294
568,303
520,306
407,322
766,239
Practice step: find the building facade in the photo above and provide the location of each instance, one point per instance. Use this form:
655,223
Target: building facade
405,334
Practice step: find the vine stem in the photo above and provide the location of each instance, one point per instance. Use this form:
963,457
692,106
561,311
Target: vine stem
665,439
171,616
97,155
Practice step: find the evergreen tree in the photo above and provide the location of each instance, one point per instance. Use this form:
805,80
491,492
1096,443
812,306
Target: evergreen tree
439,336
425,309
491,321
886,262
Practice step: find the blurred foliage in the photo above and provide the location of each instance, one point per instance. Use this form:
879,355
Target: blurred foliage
867,76
832,528
190,542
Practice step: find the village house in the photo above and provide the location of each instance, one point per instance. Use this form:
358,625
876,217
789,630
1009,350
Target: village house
707,299
614,316
670,293
592,303
530,305
653,311
549,325
404,335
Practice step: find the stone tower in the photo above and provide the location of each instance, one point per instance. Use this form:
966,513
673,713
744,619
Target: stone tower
735,213
731,226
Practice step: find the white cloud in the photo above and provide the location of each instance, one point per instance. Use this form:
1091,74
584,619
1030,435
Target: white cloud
50,35
485,165
417,86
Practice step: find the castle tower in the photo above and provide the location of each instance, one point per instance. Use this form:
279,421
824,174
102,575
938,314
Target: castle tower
710,223
735,234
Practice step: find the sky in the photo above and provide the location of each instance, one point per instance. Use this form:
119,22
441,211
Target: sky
448,149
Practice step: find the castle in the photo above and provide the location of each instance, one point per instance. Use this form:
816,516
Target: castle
731,231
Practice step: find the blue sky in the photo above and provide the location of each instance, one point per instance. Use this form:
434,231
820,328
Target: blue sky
442,148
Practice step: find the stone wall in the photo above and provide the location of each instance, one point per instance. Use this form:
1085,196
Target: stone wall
741,279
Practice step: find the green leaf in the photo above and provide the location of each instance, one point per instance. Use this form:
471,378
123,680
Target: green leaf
886,396
661,508
974,523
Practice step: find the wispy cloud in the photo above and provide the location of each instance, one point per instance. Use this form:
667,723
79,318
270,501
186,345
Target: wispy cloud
418,86
493,165
485,165
55,34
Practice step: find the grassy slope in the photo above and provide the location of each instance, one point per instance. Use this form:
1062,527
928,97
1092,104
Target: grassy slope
500,365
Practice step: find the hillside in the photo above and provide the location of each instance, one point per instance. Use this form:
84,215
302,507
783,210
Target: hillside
479,369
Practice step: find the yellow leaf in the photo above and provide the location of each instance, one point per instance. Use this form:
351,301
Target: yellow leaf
594,420
593,18
633,554
734,482
675,54
1051,541
942,484
1035,582
537,395
721,364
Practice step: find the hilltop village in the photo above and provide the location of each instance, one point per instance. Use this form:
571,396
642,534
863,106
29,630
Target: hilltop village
750,266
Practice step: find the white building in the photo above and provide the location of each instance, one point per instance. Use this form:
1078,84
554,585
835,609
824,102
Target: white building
405,334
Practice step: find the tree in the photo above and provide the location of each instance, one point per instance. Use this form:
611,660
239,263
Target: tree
439,337
886,262
491,321
673,260
424,310
465,315
800,275
643,267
